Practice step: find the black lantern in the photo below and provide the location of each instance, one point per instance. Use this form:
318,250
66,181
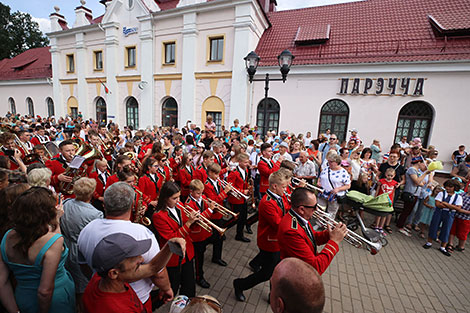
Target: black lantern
285,62
251,64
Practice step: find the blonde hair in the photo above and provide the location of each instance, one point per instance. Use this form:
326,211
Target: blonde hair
196,185
84,188
201,306
277,177
40,177
334,158
214,167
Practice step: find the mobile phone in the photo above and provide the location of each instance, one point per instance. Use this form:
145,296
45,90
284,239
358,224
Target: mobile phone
9,152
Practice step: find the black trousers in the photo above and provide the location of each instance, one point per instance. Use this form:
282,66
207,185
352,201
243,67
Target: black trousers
217,242
268,261
199,249
240,208
182,279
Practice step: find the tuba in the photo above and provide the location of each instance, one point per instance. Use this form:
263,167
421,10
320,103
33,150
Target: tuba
87,152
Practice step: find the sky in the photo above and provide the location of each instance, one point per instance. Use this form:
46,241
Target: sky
41,9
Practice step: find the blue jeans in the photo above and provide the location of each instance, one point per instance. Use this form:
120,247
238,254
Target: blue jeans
447,218
415,215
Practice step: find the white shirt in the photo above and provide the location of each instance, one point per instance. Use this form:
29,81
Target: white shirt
242,172
96,230
286,156
175,214
443,194
215,184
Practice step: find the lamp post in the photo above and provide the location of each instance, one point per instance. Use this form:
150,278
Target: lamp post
251,63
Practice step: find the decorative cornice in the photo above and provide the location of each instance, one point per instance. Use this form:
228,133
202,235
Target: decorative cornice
94,80
130,78
167,76
69,81
213,75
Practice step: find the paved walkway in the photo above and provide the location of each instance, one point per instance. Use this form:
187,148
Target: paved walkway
402,277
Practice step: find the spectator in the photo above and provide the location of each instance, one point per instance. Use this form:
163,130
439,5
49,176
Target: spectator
78,213
203,304
283,152
210,125
332,144
236,127
458,156
306,168
462,170
314,154
461,226
40,177
376,150
36,245
354,136
7,196
429,205
296,287
295,151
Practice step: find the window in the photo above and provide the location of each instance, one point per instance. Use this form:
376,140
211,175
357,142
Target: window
98,60
101,110
11,101
216,49
70,63
169,52
30,105
170,112
50,106
217,117
130,57
414,120
132,113
334,116
267,117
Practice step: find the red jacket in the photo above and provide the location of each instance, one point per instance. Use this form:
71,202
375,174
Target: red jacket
143,151
219,159
270,215
185,178
294,242
99,190
201,173
149,187
111,180
198,233
175,168
265,169
57,167
165,173
145,202
13,164
38,141
236,179
219,197
167,228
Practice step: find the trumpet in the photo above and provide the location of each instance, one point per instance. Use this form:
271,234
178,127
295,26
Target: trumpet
133,156
324,219
235,192
296,181
225,212
204,222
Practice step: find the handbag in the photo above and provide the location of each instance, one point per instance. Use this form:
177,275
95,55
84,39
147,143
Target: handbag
407,196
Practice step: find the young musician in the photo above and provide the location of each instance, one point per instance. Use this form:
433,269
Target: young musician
186,173
175,162
146,147
239,180
40,137
25,137
297,238
141,201
100,175
122,161
151,181
217,148
214,191
59,165
201,171
10,151
272,207
163,168
170,222
266,166
199,235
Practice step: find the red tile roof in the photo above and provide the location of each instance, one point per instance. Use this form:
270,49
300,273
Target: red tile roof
31,64
456,20
167,4
370,31
308,33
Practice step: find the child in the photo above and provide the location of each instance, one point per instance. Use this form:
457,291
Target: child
428,210
385,185
461,226
447,203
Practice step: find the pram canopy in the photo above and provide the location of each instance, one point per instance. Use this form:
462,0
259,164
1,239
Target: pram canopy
380,203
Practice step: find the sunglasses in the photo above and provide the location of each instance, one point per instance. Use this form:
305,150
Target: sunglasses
314,207
332,138
202,299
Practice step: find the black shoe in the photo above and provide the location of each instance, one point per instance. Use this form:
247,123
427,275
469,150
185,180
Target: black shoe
255,268
242,239
248,230
238,292
203,283
425,246
220,262
445,252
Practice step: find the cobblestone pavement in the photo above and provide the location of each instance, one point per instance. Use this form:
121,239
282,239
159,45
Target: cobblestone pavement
402,277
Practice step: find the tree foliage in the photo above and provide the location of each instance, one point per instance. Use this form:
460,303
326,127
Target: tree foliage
18,33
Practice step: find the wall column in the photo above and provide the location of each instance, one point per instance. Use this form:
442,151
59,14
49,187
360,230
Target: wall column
59,102
111,64
146,107
81,66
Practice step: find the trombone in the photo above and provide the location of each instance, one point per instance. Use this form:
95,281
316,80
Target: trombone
204,222
296,181
324,219
235,192
225,212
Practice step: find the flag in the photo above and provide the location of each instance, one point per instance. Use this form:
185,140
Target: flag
106,90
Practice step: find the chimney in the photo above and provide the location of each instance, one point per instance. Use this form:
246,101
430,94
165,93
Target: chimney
83,15
58,21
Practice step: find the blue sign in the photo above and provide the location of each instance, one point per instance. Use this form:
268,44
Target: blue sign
128,31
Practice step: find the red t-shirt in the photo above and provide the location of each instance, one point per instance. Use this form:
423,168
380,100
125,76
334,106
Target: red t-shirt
387,187
97,301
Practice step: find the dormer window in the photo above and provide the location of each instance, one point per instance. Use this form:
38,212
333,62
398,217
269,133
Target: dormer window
312,34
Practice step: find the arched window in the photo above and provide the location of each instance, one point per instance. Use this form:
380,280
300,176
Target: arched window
50,106
132,113
101,110
169,112
267,117
11,101
72,107
334,116
414,120
29,103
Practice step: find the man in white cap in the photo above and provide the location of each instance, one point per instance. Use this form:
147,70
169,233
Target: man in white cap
283,151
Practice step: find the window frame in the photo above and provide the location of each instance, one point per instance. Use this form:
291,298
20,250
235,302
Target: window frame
164,46
126,57
266,112
95,61
68,63
334,115
209,49
413,119
136,113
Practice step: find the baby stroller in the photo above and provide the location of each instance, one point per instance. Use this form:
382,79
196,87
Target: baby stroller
378,206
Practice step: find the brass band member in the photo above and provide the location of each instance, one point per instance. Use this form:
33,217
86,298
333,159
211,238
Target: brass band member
59,164
186,174
141,200
25,137
175,162
100,175
201,171
122,161
10,151
40,137
151,181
